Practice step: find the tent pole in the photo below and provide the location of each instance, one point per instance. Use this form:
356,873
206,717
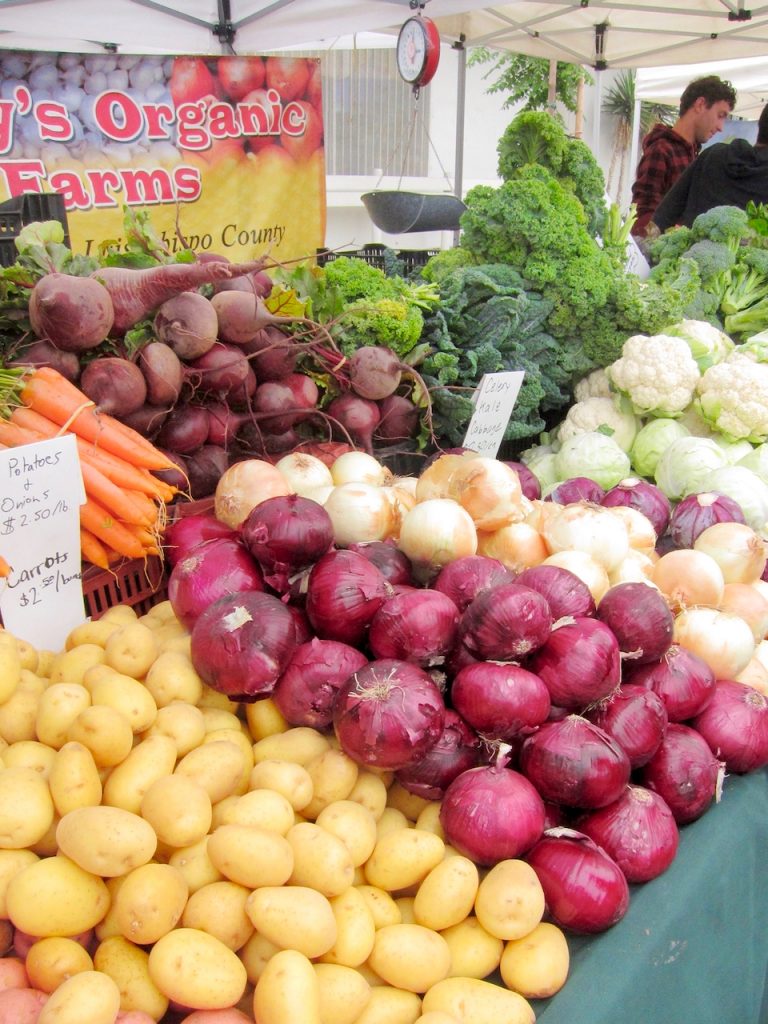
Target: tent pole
634,144
461,95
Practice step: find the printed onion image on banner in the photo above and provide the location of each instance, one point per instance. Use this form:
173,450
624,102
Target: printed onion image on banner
225,151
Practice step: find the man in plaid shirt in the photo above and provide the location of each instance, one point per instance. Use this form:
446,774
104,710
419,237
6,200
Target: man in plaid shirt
668,150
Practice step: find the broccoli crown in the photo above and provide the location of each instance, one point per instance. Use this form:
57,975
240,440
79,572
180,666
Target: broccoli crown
712,258
394,323
755,258
670,245
729,224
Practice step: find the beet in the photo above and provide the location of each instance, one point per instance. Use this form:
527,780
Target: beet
358,416
399,419
187,323
205,468
374,372
220,370
273,353
185,430
116,385
74,313
283,403
163,372
147,419
45,353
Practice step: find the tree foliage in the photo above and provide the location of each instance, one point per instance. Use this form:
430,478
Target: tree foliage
525,80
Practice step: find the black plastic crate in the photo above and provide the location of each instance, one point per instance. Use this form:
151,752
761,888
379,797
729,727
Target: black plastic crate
373,254
16,213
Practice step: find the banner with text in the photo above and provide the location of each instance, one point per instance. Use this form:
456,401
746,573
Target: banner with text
225,151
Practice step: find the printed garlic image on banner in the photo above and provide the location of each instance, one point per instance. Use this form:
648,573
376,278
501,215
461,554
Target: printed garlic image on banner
225,151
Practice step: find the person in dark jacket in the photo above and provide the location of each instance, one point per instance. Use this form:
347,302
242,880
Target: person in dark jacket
668,150
726,174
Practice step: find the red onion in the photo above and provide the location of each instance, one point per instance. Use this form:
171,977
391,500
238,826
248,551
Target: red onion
566,593
639,618
500,699
643,496
491,813
242,643
636,718
303,629
388,714
579,663
186,533
393,563
735,725
215,569
682,679
638,831
698,511
684,772
418,625
577,488
575,763
344,592
286,533
466,577
305,691
585,889
529,482
505,622
457,750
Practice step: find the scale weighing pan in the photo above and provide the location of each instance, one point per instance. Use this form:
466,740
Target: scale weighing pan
397,212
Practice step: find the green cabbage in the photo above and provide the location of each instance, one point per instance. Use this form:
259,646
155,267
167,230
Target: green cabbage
594,455
746,488
653,439
684,465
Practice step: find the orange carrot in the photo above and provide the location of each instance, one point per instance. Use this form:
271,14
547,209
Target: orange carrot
60,401
97,520
93,550
5,569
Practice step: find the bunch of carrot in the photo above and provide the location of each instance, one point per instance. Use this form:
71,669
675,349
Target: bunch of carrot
125,508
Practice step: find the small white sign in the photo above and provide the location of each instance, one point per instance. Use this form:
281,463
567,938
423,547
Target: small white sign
635,262
494,401
41,490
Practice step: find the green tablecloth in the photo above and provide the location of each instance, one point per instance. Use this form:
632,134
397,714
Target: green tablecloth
693,946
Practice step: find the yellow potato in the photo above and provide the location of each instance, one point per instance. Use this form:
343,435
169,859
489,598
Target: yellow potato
197,970
148,761
183,723
122,614
44,661
30,754
51,961
87,996
353,824
447,894
238,737
106,841
170,677
28,654
391,819
11,862
131,650
403,857
195,865
287,991
95,632
473,1001
382,906
219,718
344,993
163,611
510,900
405,903
333,775
475,953
177,643
369,790
250,855
74,778
219,909
46,845
58,707
209,698
320,860
71,666
402,800
221,809
108,926
355,929
26,808
18,713
178,809
10,665
54,896
105,732
264,719
128,966
217,767
285,777
256,954
127,695
410,956
293,917
437,1017
299,745
150,902
536,965
265,808
388,1005
429,819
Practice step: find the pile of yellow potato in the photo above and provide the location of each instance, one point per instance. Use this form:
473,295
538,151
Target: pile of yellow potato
164,849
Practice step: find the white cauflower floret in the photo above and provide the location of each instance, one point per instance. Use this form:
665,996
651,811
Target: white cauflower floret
603,414
595,385
657,373
733,397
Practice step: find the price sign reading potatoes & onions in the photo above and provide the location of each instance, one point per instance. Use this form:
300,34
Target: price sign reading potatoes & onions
494,401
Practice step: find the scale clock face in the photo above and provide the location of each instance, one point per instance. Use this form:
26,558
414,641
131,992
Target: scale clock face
418,50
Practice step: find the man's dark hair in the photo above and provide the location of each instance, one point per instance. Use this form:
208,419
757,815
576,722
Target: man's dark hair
762,127
711,88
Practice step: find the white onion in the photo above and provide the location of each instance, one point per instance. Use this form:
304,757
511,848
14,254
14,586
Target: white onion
489,490
359,513
319,494
406,483
243,486
746,600
722,639
755,675
736,548
361,468
436,532
689,577
637,567
589,528
304,472
435,480
401,501
585,567
761,653
640,531
517,546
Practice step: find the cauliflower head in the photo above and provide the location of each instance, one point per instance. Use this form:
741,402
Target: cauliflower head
732,396
602,414
595,385
657,373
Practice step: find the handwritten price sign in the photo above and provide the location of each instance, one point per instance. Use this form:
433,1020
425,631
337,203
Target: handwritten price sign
494,401
41,490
